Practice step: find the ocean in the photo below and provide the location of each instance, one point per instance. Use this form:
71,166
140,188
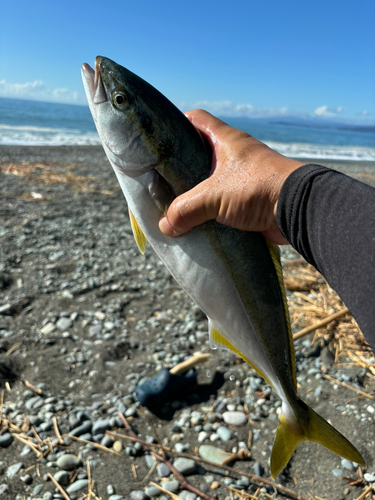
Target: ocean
41,123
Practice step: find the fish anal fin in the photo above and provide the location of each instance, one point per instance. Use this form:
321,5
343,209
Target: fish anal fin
309,427
139,237
217,339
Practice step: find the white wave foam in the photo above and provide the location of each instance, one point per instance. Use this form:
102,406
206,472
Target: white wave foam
43,136
324,152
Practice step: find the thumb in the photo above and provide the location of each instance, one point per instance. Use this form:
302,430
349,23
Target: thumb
189,210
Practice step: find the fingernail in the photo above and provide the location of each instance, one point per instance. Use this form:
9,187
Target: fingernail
166,228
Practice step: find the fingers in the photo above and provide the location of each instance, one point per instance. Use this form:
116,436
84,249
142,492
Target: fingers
207,124
189,210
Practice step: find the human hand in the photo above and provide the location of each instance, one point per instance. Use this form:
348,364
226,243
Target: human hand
243,187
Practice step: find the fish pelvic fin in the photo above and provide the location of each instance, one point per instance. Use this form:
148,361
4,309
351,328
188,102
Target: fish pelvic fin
139,237
308,426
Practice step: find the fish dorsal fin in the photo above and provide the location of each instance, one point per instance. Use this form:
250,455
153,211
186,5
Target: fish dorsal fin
275,256
217,339
139,237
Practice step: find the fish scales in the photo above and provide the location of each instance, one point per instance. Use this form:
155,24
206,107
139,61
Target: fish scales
233,276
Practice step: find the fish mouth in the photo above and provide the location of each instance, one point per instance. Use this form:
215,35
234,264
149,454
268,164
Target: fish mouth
94,82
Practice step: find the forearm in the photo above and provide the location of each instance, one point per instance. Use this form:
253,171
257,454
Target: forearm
329,218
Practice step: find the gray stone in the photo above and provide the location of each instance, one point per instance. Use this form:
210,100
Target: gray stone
258,469
369,477
235,418
64,323
47,495
172,486
62,477
163,470
138,495
4,489
337,472
69,462
212,453
149,461
185,465
100,426
77,486
5,440
224,433
116,497
38,488
82,429
152,491
347,464
12,470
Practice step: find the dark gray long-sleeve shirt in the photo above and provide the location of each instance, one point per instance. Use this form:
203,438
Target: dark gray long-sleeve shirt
329,218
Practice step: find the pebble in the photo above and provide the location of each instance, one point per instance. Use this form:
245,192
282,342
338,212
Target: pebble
62,477
172,486
347,464
369,477
185,465
47,495
213,454
77,486
337,472
139,495
6,440
163,470
69,462
234,418
64,323
117,446
224,433
100,426
258,469
12,470
152,491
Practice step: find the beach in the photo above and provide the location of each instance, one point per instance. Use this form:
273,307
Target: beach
85,319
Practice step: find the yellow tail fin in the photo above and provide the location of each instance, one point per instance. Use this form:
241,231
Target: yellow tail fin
309,427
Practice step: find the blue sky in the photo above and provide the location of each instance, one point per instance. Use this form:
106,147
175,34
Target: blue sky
238,58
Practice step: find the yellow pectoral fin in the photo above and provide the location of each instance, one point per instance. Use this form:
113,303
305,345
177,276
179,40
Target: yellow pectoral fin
217,339
139,237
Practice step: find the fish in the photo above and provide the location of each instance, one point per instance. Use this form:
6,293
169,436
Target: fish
234,276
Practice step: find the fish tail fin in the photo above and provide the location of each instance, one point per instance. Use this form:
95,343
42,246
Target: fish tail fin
308,426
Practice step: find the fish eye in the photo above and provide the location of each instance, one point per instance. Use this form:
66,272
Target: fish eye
119,99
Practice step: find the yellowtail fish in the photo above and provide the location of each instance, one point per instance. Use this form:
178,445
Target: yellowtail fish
235,277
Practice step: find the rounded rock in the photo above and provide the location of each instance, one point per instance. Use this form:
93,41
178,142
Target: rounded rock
185,465
77,486
234,418
6,440
69,462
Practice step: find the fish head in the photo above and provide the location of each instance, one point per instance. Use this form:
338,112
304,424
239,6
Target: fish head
124,108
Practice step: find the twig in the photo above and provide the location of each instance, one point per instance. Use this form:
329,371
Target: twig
13,348
175,497
97,445
347,386
134,470
89,491
241,455
241,493
62,491
364,494
184,483
28,443
189,363
321,323
56,429
260,481
32,387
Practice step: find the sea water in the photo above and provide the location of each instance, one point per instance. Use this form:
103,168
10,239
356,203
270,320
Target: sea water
41,123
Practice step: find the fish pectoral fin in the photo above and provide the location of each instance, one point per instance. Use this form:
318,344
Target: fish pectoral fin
310,427
139,237
217,339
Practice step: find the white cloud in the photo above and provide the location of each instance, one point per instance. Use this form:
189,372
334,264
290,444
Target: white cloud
37,91
228,108
326,112
363,113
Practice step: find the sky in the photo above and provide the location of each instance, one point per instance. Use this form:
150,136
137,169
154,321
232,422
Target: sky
233,58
